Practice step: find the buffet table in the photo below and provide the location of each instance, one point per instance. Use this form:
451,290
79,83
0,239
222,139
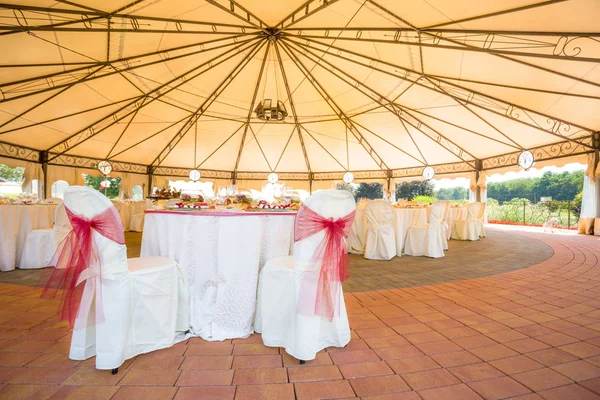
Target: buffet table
16,221
220,254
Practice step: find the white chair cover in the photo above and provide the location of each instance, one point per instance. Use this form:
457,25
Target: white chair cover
358,234
149,204
481,221
444,224
381,239
136,223
428,240
144,300
41,244
277,317
467,229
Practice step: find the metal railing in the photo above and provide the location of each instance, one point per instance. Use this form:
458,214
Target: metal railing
520,211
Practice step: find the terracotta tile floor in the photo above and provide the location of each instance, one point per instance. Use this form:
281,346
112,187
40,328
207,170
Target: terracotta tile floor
532,333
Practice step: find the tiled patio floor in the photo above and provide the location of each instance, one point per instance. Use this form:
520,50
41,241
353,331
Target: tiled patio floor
532,333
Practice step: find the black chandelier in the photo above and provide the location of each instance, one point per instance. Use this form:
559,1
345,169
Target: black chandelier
266,111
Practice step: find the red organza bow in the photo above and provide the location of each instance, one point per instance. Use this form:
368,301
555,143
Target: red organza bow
331,251
79,261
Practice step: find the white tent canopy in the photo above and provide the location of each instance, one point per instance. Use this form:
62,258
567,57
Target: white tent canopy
382,88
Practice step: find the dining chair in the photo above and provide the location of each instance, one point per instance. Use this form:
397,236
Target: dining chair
381,238
300,304
467,229
428,240
41,244
118,307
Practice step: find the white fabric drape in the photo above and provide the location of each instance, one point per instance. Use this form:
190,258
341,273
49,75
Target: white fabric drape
590,202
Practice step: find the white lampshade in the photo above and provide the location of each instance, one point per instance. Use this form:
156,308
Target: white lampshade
348,177
272,178
194,175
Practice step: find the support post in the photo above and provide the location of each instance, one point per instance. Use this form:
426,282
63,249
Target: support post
44,161
478,170
310,182
233,178
150,173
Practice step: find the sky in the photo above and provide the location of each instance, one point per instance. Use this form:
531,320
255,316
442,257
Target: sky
532,173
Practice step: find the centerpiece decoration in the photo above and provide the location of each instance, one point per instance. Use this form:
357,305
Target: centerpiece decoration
196,202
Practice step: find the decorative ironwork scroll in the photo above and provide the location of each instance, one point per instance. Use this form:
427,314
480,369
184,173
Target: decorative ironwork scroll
19,152
547,152
185,172
92,163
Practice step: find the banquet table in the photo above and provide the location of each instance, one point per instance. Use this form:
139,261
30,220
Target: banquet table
220,254
16,221
454,213
404,218
128,209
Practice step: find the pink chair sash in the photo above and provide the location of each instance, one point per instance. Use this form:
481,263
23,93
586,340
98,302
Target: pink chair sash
79,261
331,251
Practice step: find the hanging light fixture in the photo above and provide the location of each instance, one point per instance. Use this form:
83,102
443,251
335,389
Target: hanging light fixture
273,178
195,174
348,177
269,109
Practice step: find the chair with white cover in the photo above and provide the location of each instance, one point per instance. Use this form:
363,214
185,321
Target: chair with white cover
481,221
300,304
118,307
428,240
136,223
444,223
41,244
381,239
467,229
149,205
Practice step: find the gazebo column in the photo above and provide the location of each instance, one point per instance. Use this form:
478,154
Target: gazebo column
478,171
44,161
150,174
590,201
310,182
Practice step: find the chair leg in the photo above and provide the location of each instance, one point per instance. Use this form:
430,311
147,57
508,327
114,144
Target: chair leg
115,371
302,362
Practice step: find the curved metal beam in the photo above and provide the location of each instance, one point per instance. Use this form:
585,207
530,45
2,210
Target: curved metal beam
336,109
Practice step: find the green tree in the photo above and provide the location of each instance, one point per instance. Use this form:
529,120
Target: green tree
455,193
347,186
11,174
369,191
408,190
111,192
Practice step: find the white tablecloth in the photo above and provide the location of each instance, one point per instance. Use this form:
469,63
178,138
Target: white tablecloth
454,213
220,254
16,221
128,210
404,218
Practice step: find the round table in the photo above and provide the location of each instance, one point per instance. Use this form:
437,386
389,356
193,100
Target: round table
16,221
220,254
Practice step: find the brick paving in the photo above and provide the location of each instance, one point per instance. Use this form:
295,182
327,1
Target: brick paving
532,333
